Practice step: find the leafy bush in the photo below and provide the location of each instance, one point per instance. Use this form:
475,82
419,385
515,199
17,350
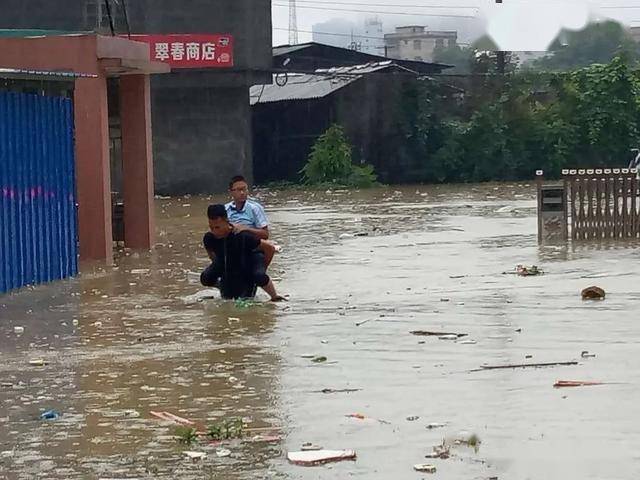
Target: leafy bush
331,162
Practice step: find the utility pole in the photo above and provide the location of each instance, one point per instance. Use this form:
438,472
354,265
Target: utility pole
500,56
293,23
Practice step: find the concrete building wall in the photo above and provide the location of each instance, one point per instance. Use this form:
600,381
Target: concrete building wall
198,149
416,43
196,157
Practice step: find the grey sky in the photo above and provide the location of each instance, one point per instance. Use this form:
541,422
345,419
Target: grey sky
516,24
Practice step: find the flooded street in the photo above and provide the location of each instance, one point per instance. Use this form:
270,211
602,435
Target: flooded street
111,346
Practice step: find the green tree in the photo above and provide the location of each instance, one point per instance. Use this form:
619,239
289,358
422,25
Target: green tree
596,43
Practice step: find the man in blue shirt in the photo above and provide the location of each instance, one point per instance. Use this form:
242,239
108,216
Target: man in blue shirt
244,213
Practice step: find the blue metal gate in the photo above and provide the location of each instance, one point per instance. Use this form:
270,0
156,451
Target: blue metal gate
38,224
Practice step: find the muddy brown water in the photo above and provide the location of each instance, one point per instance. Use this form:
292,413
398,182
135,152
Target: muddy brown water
433,260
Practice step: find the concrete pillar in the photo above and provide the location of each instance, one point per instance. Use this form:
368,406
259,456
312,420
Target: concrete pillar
93,177
137,161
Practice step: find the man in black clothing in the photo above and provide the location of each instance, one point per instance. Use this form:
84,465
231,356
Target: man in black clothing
234,268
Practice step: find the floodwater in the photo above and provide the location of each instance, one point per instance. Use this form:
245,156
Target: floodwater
125,339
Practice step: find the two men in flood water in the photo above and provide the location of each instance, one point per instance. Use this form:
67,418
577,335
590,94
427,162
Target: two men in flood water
237,246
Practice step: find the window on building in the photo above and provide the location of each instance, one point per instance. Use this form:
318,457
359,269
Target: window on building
406,42
417,44
439,43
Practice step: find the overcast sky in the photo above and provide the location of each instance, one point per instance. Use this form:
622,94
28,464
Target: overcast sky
515,24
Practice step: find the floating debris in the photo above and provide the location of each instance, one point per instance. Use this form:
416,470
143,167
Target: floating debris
431,426
340,390
310,447
18,330
50,415
573,383
593,293
223,452
319,359
195,455
586,354
320,457
426,333
525,365
425,468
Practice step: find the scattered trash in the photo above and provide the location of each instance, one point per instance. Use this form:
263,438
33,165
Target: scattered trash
426,333
49,415
468,439
223,452
18,330
524,271
319,457
593,293
131,413
319,359
586,354
38,362
525,365
74,322
140,271
264,439
572,383
201,296
170,417
507,209
308,355
425,468
363,322
431,426
528,357
6,384
452,336
412,419
233,319
195,455
359,416
340,390
442,451
310,447
244,303
467,342
444,300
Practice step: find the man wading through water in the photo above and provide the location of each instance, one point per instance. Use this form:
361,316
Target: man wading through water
236,270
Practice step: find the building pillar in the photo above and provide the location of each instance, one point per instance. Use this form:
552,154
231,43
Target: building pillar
93,173
137,161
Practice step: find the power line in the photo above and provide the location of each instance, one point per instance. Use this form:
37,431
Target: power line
314,2
377,11
334,34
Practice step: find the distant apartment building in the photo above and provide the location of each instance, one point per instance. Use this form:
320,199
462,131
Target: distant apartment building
417,43
373,38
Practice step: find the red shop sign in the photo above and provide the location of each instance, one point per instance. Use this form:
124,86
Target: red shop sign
190,51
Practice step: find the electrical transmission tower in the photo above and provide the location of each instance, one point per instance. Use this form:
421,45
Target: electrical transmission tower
293,23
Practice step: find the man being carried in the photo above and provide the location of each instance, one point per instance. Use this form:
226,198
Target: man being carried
244,213
234,269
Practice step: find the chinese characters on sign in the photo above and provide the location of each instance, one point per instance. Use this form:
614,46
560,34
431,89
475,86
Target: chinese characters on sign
190,51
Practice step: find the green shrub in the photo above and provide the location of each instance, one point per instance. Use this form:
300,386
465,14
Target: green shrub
331,162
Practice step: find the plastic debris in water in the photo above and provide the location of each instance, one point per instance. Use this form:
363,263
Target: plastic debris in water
223,452
18,330
425,468
49,415
195,455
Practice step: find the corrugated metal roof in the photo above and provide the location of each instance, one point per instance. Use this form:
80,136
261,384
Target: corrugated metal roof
312,86
19,72
284,49
28,33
